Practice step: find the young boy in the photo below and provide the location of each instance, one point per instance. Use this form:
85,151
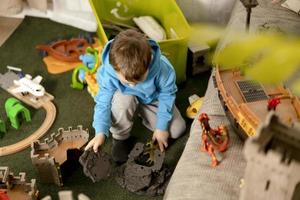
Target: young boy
135,78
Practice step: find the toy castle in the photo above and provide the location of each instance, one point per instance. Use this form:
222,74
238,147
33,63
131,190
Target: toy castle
16,187
52,155
273,162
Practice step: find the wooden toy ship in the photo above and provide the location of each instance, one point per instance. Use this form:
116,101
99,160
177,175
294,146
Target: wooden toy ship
66,50
247,103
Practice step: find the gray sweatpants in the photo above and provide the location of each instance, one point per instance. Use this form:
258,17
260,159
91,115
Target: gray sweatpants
124,108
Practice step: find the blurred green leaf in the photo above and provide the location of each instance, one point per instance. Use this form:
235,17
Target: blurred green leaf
277,66
295,87
205,34
266,58
244,51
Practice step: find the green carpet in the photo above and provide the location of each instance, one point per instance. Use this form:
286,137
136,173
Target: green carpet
73,108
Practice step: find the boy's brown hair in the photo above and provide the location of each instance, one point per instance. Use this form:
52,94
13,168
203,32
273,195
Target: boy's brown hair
130,54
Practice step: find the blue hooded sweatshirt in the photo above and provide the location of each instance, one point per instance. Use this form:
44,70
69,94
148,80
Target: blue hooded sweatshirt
159,85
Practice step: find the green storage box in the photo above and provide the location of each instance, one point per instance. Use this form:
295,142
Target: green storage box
166,12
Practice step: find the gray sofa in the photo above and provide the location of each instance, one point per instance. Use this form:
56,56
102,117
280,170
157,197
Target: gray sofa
193,177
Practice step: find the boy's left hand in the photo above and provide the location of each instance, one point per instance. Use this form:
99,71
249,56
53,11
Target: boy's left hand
162,138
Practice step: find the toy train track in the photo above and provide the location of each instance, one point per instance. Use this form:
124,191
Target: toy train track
50,117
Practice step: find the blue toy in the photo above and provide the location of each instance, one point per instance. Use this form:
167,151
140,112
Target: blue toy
88,60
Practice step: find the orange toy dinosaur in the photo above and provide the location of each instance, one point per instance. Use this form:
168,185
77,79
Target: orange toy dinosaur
213,139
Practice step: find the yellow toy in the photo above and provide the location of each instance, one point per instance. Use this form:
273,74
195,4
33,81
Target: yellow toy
195,105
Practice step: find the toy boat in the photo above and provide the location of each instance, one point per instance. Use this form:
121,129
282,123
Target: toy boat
247,103
66,50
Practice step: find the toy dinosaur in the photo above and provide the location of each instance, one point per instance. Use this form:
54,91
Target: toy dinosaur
213,139
149,151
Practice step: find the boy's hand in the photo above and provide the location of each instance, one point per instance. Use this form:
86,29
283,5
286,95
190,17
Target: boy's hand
162,138
96,142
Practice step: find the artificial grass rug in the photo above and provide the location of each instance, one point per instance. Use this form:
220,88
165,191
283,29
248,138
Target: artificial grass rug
74,108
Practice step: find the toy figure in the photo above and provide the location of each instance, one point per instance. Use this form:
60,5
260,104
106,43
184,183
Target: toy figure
195,105
3,195
88,60
213,139
272,103
135,78
85,72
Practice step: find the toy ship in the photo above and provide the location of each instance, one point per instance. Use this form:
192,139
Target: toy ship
247,103
66,50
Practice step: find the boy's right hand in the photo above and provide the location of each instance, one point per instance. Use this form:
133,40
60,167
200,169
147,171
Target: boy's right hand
96,142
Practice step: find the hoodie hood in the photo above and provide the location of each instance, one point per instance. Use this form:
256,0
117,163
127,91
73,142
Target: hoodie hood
153,67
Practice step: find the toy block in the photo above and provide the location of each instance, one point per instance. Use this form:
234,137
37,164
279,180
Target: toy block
13,109
196,58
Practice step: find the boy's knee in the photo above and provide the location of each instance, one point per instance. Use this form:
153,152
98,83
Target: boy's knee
178,128
121,101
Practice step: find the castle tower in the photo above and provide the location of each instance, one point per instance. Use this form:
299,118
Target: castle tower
49,156
16,187
273,162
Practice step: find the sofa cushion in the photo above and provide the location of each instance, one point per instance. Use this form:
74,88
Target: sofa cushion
194,178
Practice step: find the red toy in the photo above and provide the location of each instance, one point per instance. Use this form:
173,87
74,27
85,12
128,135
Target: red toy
3,195
213,139
66,50
273,102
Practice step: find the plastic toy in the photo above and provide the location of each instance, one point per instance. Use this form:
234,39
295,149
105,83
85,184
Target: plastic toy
272,155
93,86
3,195
89,66
96,166
16,187
26,85
144,172
14,109
244,101
58,153
2,128
89,60
17,70
45,102
55,66
66,50
195,105
272,103
213,139
67,195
